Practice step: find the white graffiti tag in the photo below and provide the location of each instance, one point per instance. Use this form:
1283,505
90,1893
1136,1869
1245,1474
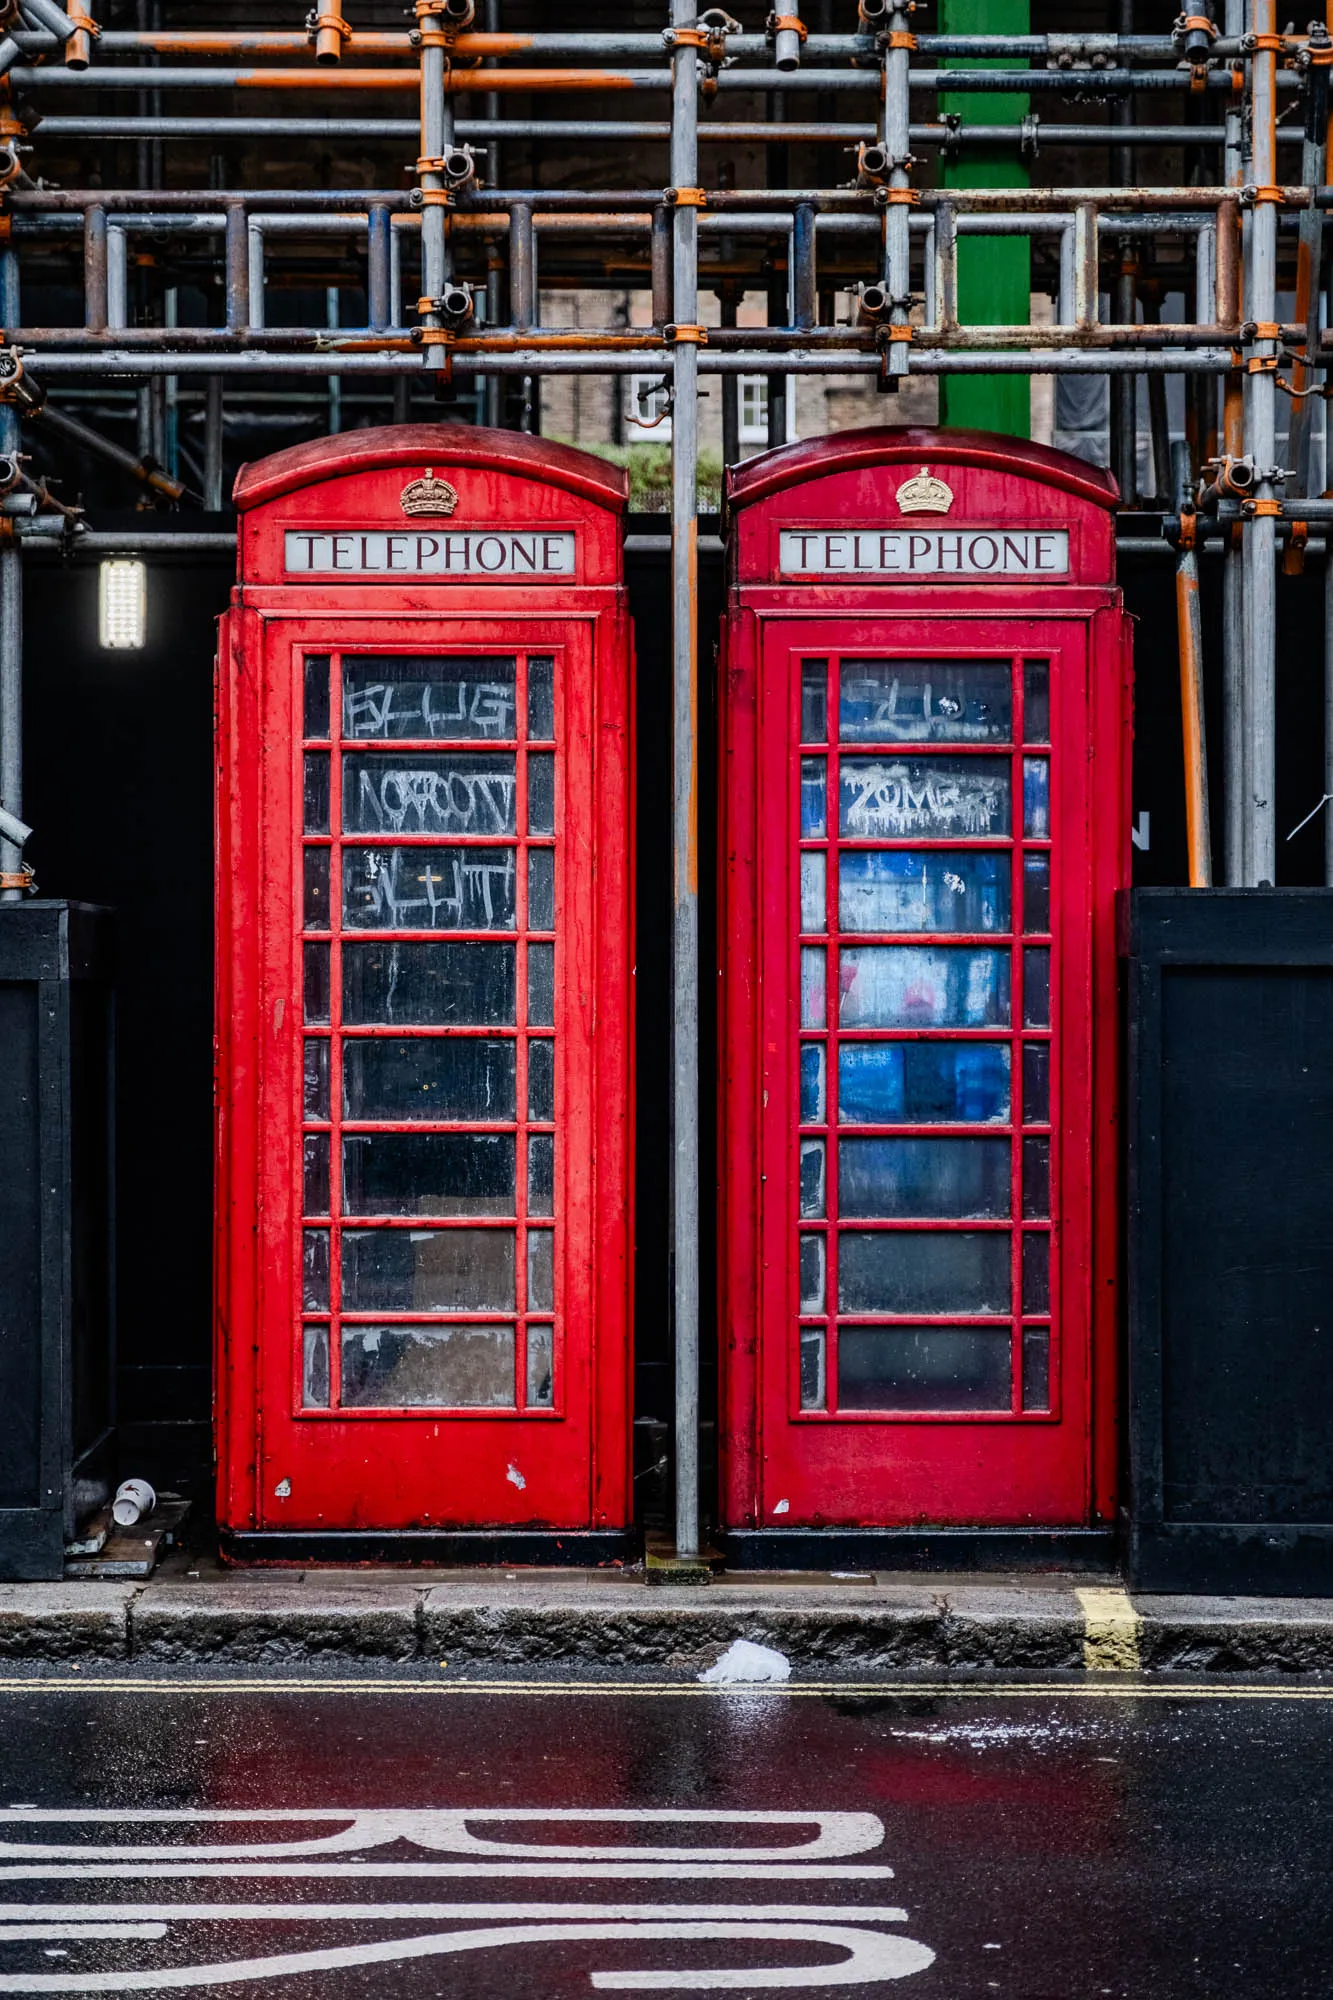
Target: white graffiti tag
794,1946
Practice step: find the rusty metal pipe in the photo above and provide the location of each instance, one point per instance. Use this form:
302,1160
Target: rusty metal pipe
522,267
95,269
1189,620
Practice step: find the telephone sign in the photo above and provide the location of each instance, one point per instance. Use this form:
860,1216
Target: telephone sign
424,1017
924,821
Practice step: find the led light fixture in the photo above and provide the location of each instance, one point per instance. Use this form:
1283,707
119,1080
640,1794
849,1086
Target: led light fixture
122,603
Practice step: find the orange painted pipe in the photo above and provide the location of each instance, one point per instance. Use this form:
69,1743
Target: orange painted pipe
1198,838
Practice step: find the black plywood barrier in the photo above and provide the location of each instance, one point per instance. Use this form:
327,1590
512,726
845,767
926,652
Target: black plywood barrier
1231,1240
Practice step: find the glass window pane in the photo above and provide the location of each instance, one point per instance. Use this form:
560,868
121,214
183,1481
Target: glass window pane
812,1083
315,902
315,1082
1036,1271
923,1083
924,701
541,985
814,701
428,1270
314,1270
923,986
935,798
428,1076
812,1177
1036,1178
814,798
923,1368
541,1080
814,1387
428,985
458,792
429,888
315,1368
814,894
315,792
541,1174
411,1367
315,1173
923,1271
1037,986
1036,1368
541,1367
460,699
1037,798
541,793
811,1271
316,695
923,1177
906,889
541,888
315,969
1036,1083
428,1173
814,997
541,702
541,1270
1036,892
1036,701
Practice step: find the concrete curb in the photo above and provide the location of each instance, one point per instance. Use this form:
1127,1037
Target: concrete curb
270,1618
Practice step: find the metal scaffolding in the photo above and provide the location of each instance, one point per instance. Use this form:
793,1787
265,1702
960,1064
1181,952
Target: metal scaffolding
872,226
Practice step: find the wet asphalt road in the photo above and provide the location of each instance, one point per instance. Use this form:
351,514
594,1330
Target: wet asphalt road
300,1837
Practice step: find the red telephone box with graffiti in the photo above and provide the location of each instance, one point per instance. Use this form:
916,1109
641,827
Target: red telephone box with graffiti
925,697
424,910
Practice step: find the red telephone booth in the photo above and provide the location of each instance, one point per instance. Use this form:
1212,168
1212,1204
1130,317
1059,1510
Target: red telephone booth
924,805
424,1018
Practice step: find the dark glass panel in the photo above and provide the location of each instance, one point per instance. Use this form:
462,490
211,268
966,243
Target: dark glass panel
923,1271
1036,1271
923,1368
444,792
314,1270
541,792
428,1173
428,1076
1036,892
814,1389
923,1083
541,985
541,1080
429,888
414,1367
315,1173
541,888
1036,1179
459,699
316,695
812,1268
316,979
315,905
925,701
315,1367
315,1080
541,1367
428,1270
812,1177
541,702
1037,986
931,798
814,701
1036,701
903,889
814,798
541,1174
1036,1368
315,792
812,1083
1036,1083
427,985
541,1270
921,1178
1037,798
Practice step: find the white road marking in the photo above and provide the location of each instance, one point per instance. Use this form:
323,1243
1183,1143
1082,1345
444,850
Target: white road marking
140,1914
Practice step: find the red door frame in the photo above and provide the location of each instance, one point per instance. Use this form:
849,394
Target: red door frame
338,1476
782,1468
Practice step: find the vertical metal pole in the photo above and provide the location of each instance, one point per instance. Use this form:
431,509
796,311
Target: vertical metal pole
11,615
214,394
1328,718
1309,257
494,384
1233,562
685,792
1261,531
1125,388
898,149
332,306
379,266
731,385
1190,621
434,238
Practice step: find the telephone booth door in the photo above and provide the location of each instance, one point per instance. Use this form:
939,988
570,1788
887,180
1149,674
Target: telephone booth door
924,826
424,1015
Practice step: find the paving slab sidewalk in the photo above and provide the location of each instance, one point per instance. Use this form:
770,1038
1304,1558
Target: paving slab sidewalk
568,1621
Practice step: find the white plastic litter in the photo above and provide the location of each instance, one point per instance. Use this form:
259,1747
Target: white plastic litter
745,1663
134,1501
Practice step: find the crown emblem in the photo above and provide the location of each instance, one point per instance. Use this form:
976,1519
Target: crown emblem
925,494
429,495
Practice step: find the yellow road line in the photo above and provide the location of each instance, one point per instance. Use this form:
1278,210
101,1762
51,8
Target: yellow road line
1123,1688
1111,1628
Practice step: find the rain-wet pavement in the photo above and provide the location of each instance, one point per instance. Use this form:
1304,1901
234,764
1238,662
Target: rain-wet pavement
311,1835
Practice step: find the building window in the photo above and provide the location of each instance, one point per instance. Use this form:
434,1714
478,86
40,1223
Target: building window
754,409
648,409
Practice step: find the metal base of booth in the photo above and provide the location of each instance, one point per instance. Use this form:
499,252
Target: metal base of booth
1091,1549
519,1548
1232,1559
